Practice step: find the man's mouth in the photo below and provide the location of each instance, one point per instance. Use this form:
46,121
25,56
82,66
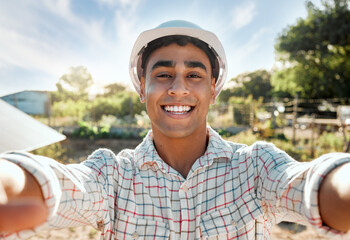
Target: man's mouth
177,109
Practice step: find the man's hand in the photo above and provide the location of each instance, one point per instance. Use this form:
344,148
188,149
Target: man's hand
21,202
334,198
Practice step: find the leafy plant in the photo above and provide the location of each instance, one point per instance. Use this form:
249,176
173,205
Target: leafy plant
54,151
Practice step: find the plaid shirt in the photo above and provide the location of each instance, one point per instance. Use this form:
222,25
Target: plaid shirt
233,191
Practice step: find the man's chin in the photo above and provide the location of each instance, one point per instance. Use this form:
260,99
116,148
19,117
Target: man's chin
177,132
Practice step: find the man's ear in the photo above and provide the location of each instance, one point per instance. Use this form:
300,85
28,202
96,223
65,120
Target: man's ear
212,100
142,90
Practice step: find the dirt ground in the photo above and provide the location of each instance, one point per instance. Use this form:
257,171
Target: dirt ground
282,231
80,149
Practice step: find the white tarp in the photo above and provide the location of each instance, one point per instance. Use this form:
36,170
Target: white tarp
21,132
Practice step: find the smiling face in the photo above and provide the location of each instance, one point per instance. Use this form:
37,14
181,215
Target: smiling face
178,88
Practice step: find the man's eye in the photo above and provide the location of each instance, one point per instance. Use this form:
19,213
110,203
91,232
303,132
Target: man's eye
193,75
164,75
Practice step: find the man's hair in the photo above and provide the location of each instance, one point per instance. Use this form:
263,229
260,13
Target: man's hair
180,40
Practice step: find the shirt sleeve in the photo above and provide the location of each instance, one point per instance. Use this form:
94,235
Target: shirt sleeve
288,189
75,194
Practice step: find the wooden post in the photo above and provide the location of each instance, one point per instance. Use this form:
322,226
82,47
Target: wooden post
251,117
313,136
295,113
273,114
233,115
131,108
346,147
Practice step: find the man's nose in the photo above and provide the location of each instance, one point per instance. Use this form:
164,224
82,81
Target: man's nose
178,87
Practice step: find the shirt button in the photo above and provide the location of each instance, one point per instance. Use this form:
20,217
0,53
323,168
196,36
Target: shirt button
100,225
233,223
135,235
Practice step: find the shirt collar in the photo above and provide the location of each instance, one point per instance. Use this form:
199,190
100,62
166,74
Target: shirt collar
217,148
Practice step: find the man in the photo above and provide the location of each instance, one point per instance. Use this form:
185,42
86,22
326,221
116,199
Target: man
183,181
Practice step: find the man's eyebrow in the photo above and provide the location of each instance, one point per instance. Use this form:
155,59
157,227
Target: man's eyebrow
195,64
163,63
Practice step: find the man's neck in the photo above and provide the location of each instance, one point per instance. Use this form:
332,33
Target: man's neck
181,153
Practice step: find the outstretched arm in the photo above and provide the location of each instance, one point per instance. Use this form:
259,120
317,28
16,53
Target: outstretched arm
21,201
334,198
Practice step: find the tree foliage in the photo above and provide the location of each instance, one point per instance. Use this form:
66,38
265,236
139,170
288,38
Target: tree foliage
69,108
71,99
119,105
78,79
73,85
113,89
315,53
257,84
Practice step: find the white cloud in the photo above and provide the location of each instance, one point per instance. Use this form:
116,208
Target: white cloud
49,43
243,14
28,53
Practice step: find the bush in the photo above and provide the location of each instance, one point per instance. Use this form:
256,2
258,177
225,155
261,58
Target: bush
86,130
296,152
77,109
54,151
89,131
329,142
122,105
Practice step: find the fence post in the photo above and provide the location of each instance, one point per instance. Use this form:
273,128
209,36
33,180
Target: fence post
251,116
233,114
295,113
313,136
346,147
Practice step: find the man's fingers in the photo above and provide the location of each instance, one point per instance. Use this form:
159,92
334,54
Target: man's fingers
22,214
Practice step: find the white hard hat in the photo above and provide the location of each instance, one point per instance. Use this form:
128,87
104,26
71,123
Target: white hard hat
177,27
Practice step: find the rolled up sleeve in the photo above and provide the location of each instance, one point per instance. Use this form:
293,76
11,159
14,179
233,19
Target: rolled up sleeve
320,168
75,194
41,169
289,189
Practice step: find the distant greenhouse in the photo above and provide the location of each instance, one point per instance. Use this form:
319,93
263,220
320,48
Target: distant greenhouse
30,102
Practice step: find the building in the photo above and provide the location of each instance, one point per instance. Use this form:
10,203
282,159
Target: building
30,102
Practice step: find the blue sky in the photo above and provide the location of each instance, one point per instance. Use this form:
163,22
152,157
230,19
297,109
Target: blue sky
41,39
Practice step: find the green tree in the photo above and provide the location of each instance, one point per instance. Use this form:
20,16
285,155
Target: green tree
120,105
73,85
257,84
70,108
315,53
113,89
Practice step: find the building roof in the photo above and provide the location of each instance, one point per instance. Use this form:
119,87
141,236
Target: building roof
21,132
34,91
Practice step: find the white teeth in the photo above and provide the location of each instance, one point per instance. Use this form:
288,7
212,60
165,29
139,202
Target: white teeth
177,109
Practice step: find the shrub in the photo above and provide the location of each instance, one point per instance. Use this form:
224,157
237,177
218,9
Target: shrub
54,151
329,142
296,152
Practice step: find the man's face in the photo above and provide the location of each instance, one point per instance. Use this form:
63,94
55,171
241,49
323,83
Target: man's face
177,88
